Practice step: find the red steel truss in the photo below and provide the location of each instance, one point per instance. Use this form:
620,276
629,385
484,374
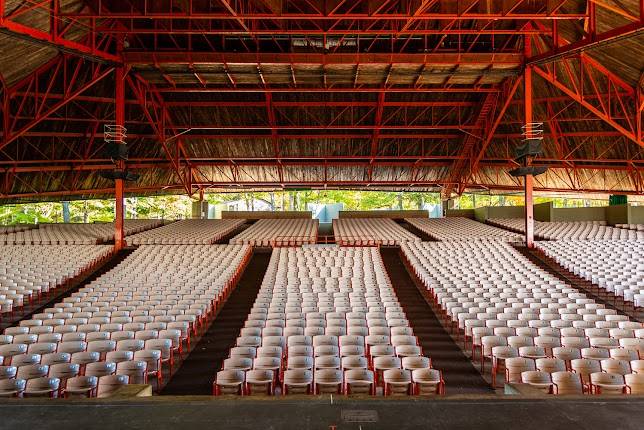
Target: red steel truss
569,67
583,79
247,15
452,133
31,98
227,187
157,116
119,184
60,35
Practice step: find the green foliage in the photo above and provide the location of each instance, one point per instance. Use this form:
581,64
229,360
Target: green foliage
180,207
617,199
471,201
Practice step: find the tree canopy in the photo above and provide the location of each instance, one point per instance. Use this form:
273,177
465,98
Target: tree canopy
179,206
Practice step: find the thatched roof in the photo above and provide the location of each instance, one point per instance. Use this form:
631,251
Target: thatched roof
309,118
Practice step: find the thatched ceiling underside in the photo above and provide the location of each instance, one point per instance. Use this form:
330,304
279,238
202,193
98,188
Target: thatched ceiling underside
236,136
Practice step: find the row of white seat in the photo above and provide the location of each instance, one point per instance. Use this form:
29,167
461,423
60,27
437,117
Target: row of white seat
75,234
279,232
189,232
548,351
138,315
370,232
6,229
616,266
497,298
27,271
261,381
460,228
636,227
570,382
582,230
81,386
349,319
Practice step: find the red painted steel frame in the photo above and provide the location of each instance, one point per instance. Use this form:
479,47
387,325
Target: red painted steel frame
31,96
158,117
580,77
234,188
409,161
394,21
569,67
483,123
119,185
312,58
528,180
404,14
56,37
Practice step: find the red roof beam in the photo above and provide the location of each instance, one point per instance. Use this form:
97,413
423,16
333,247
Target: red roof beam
344,90
318,136
383,160
304,33
275,185
146,12
196,58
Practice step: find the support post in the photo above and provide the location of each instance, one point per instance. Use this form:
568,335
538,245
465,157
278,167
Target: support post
66,214
200,208
119,193
529,212
528,181
447,205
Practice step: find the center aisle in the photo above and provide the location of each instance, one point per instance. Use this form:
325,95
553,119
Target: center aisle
198,370
461,377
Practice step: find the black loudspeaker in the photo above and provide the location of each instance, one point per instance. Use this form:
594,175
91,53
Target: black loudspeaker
116,151
120,174
531,148
529,170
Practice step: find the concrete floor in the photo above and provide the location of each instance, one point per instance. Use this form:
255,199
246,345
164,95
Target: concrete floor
326,413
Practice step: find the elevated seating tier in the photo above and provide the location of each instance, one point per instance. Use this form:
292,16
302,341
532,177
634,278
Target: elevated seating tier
370,232
188,232
459,228
327,320
28,271
130,322
279,232
577,230
75,234
523,319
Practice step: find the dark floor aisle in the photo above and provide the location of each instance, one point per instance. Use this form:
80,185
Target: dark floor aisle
414,230
461,377
198,370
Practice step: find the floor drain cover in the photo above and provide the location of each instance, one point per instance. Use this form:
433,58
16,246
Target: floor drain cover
359,416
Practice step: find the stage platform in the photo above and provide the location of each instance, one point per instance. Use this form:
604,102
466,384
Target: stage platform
325,412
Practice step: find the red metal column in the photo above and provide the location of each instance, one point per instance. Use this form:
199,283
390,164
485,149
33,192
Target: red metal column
119,192
528,182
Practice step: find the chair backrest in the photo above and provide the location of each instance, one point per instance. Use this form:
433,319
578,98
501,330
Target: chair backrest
584,367
64,370
109,384
298,377
635,383
567,383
